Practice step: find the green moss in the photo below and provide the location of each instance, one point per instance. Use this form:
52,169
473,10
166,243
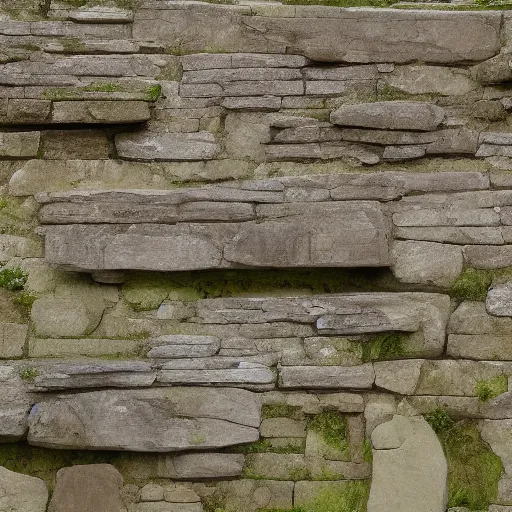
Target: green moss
473,469
300,474
367,451
102,87
487,389
197,439
13,279
28,373
281,410
472,284
266,446
332,426
61,94
350,497
24,301
389,93
215,502
385,346
153,92
73,45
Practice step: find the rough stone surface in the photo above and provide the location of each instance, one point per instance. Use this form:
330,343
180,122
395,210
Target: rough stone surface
160,420
426,36
409,467
22,493
87,489
426,262
499,300
147,146
19,145
390,115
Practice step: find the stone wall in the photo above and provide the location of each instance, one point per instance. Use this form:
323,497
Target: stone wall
254,258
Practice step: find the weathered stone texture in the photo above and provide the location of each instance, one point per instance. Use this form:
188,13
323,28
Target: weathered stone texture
22,493
88,488
426,36
149,421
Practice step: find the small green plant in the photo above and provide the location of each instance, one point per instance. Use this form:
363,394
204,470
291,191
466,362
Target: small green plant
349,497
472,284
332,426
439,420
487,389
13,279
473,469
367,451
28,373
153,92
384,346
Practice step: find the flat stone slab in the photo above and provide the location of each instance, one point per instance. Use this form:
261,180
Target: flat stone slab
99,374
326,34
324,377
326,234
153,420
409,468
390,115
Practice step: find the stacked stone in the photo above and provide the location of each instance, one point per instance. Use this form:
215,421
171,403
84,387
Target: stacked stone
305,124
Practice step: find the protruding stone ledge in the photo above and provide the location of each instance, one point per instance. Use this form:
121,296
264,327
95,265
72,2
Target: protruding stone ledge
325,33
155,420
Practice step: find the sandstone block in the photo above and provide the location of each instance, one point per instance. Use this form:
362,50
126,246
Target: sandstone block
100,112
356,377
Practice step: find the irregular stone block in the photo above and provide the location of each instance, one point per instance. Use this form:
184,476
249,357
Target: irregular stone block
87,488
75,145
428,36
15,404
100,112
22,493
221,76
181,345
172,146
409,467
442,217
64,317
89,347
123,374
499,299
385,137
21,111
409,371
252,104
390,115
488,256
478,346
19,145
426,262
155,420
101,14
12,340
417,79
403,152
356,377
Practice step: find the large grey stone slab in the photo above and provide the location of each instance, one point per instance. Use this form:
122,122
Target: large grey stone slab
19,144
409,468
181,345
390,115
324,234
22,493
171,146
155,420
100,112
337,36
88,488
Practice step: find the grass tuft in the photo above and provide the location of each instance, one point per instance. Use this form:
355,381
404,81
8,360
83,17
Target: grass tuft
488,389
472,284
332,426
13,279
473,469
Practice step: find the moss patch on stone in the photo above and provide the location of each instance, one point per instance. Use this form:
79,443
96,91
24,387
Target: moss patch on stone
281,410
487,389
472,284
332,426
352,497
266,446
384,346
473,469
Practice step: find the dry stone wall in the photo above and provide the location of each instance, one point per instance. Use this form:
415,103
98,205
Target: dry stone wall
255,258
